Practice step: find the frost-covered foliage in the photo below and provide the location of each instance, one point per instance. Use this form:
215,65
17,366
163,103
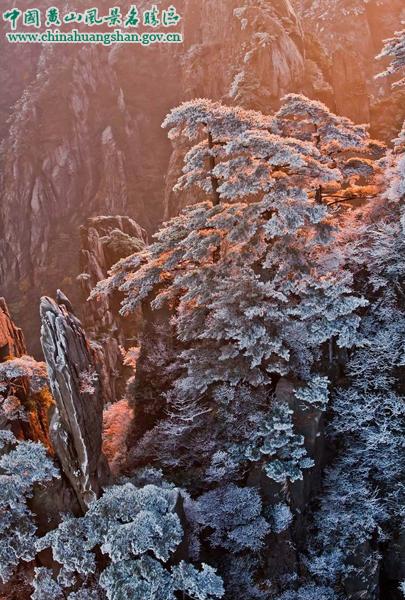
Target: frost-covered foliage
241,577
147,578
315,393
349,517
284,452
222,121
311,120
226,131
342,144
45,586
268,279
228,521
309,592
138,530
24,367
253,286
363,500
234,516
394,49
281,517
23,465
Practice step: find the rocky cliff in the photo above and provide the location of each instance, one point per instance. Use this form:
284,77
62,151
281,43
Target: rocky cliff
84,138
104,241
25,399
343,38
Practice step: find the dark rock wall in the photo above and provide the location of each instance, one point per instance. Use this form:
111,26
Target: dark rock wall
104,241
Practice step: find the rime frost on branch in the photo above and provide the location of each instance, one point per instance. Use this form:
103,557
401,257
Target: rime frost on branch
394,49
138,531
23,465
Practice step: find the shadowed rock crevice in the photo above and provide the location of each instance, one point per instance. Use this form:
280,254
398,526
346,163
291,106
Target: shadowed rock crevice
104,241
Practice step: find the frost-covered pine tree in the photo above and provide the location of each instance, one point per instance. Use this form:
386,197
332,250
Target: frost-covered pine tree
342,144
23,466
362,507
394,49
254,288
124,546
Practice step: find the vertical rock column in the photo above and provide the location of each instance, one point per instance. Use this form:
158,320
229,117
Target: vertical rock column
76,424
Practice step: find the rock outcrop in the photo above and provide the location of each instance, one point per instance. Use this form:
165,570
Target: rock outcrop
25,399
84,139
12,342
103,150
76,423
104,241
342,38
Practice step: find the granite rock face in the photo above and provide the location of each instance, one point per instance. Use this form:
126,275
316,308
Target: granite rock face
18,68
343,38
102,150
25,399
249,55
12,342
76,423
104,241
83,139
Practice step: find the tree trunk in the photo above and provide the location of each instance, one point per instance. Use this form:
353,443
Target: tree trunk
214,180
